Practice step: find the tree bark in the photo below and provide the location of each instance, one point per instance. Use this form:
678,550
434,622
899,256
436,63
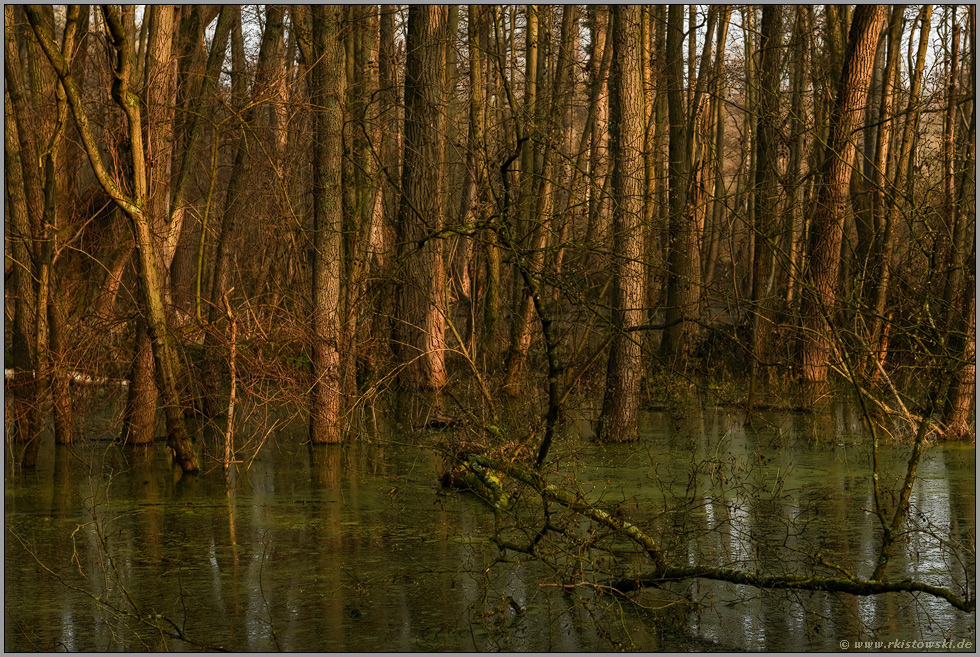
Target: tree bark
159,95
683,274
883,255
620,406
819,300
326,93
27,201
151,284
25,417
422,302
766,187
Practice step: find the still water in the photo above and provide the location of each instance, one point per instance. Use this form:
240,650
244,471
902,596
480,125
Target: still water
359,548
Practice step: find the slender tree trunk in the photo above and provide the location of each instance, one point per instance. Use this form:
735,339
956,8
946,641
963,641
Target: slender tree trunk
159,95
819,301
766,187
473,177
26,198
947,248
492,283
749,153
719,198
598,228
794,167
63,160
237,199
898,189
525,229
661,218
22,356
960,291
383,244
621,401
151,283
683,282
882,159
326,94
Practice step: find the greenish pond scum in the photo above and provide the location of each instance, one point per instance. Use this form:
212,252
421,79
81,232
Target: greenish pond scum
359,548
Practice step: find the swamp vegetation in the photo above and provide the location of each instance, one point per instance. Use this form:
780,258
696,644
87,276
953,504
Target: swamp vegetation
525,327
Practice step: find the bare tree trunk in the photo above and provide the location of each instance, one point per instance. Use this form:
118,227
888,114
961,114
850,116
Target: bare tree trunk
42,167
139,420
794,166
749,154
819,302
22,356
658,249
236,198
473,174
898,188
422,301
683,282
383,242
151,283
960,290
61,398
621,401
766,187
159,95
598,228
948,248
719,199
326,93
27,198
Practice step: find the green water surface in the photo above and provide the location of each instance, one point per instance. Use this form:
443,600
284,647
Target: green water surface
359,548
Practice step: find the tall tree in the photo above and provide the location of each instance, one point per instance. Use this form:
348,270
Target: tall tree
894,201
960,294
326,95
422,299
683,271
621,401
819,298
25,204
159,93
135,205
766,184
239,188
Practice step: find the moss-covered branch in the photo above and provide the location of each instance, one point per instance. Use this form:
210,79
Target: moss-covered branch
855,586
665,572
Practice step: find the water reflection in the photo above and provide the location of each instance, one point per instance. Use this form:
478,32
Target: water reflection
357,548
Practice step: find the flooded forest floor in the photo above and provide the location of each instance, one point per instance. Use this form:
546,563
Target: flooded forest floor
360,547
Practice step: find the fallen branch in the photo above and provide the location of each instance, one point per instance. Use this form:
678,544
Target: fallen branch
855,586
665,572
